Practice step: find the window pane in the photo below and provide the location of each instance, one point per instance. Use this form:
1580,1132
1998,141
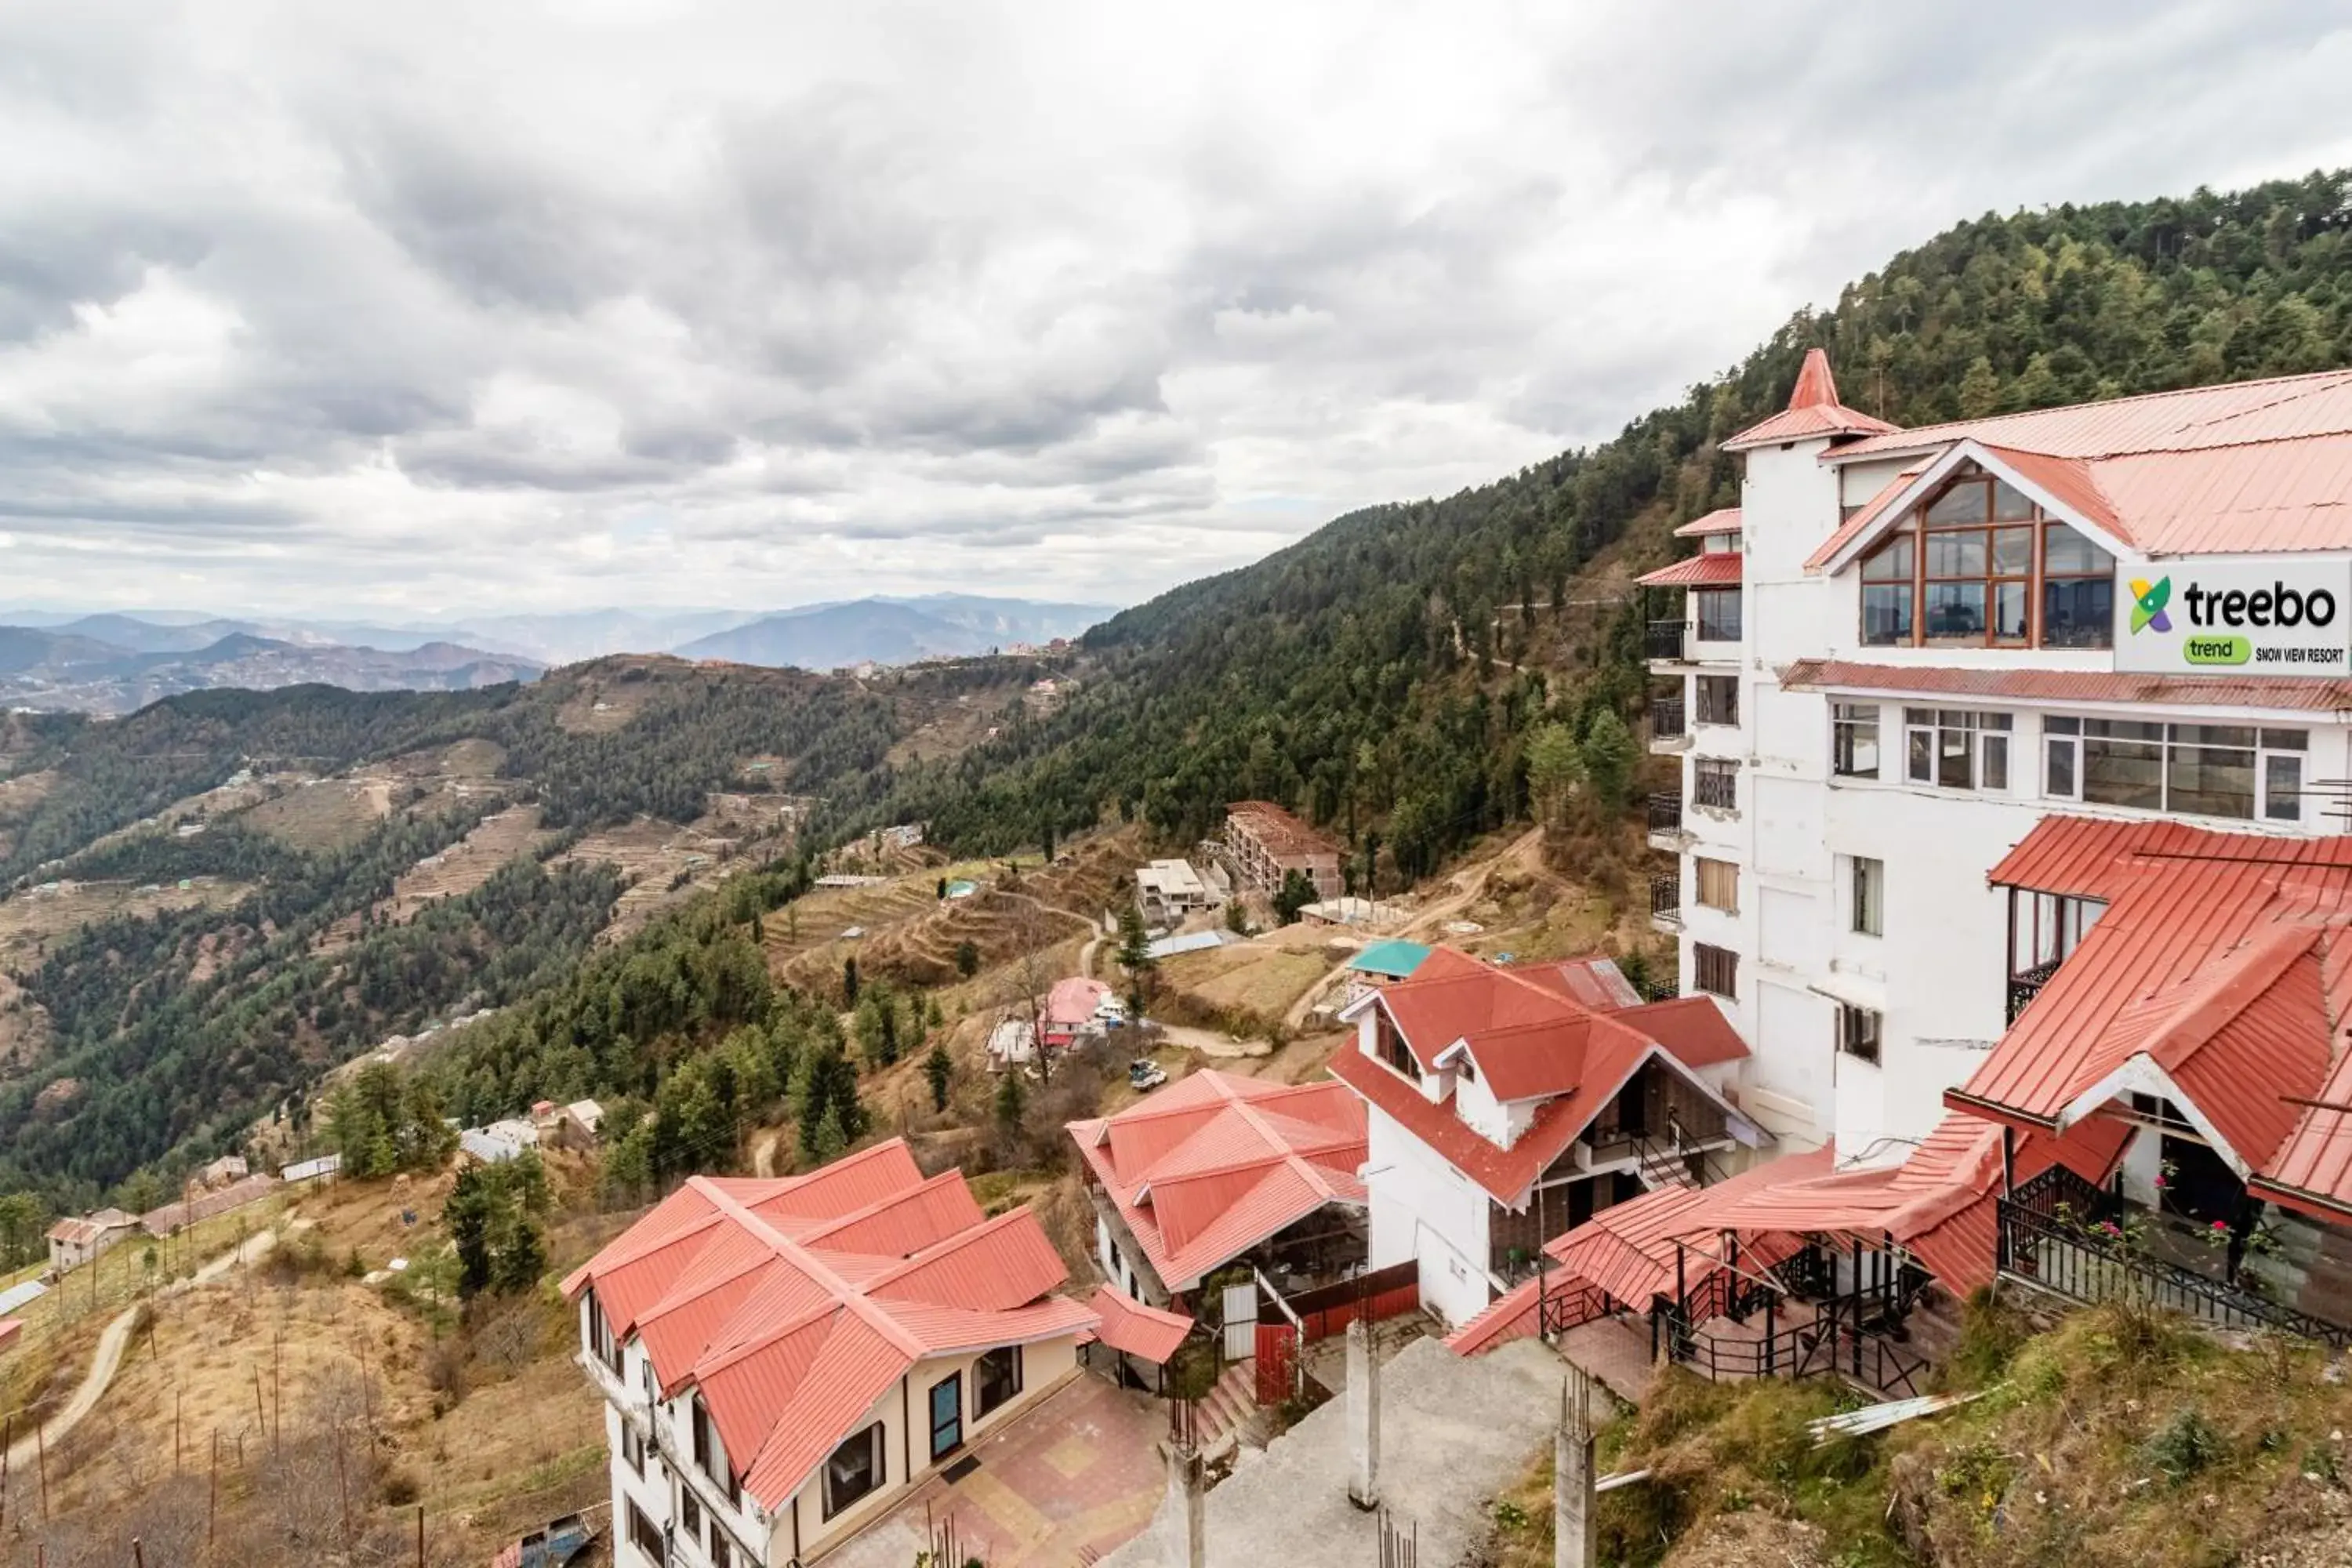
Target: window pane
2008,610
2211,780
1922,764
2058,777
1994,772
2286,739
2212,735
2123,729
1853,740
2123,772
2008,503
2056,725
2078,612
1952,760
2012,552
1718,614
1964,502
1956,555
1887,613
2281,789
2065,553
1892,564
1956,609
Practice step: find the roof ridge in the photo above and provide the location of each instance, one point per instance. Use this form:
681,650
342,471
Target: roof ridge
989,1226
847,1296
880,1206
1951,430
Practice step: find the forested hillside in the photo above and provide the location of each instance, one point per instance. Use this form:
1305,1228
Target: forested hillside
1353,675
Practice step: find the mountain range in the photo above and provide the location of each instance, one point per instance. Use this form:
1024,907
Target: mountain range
71,669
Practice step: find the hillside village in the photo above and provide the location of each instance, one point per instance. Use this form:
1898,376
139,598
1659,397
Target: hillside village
1937,1152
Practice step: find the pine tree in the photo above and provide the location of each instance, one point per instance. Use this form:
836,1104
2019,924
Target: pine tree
939,1067
966,958
1609,756
1011,1100
849,980
1979,389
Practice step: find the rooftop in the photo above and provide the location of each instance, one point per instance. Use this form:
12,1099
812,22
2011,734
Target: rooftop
1278,830
1723,519
792,1303
1814,411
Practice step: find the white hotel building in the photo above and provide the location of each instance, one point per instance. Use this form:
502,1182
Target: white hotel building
1905,648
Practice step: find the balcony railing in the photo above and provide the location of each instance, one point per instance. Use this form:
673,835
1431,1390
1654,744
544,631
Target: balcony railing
1666,719
2025,985
1717,789
1667,639
1665,812
1667,898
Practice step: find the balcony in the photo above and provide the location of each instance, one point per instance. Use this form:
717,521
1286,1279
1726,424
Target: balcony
1667,832
1669,732
2026,984
1666,901
1667,640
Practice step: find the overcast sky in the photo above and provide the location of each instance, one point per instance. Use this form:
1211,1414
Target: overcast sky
416,307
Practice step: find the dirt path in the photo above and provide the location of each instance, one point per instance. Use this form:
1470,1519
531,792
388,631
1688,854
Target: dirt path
763,1154
112,1344
1210,1043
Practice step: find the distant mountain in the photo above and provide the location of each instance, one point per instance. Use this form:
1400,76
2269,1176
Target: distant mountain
578,635
63,671
892,631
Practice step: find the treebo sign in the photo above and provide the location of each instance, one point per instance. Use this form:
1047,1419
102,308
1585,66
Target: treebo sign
2271,616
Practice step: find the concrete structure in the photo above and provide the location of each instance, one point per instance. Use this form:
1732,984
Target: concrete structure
781,1361
1574,1542
1363,1416
1504,1112
222,1172
1267,844
317,1169
1078,1007
1904,650
498,1142
1168,891
73,1242
1013,1043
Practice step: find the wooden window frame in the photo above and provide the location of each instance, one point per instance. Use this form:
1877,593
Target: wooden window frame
1724,981
2034,581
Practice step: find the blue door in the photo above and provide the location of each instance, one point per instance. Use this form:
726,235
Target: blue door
947,1415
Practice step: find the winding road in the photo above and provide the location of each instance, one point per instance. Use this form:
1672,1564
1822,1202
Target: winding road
113,1343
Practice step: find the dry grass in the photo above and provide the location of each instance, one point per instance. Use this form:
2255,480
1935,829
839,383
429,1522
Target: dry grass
324,814
1255,979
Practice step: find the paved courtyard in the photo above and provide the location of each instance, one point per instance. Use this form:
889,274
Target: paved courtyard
1059,1485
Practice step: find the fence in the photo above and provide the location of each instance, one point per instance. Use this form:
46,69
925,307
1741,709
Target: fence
1376,1297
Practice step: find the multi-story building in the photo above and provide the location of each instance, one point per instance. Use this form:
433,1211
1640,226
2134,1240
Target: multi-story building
1267,844
1906,647
780,1360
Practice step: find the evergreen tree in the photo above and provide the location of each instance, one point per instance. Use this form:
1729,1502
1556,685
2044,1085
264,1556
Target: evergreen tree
849,980
1298,891
1609,756
966,958
940,1068
1012,1102
1554,765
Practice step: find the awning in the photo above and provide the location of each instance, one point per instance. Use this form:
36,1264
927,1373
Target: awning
1139,1330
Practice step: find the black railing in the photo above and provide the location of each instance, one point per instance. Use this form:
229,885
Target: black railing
1665,812
1667,898
1667,639
1666,719
1716,789
2025,985
2073,1253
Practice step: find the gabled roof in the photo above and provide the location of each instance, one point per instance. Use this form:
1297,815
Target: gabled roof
1131,1326
1723,519
792,1304
1814,411
1693,1029
1214,1163
2217,978
1393,958
1713,569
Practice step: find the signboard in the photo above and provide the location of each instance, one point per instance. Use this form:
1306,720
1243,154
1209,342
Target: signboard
2270,614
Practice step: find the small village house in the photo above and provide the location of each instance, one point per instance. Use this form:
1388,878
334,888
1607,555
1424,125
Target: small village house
73,1242
1077,1009
782,1359
1168,891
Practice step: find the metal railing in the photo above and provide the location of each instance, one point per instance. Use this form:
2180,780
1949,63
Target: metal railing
1665,812
1667,898
1666,719
1667,639
2026,984
1716,789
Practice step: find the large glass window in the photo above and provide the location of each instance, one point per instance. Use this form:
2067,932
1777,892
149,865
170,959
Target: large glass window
854,1470
1965,569
1717,613
2199,769
1718,699
996,1378
1954,748
1853,740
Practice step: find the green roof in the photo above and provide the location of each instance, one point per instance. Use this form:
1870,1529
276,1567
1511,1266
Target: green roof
1395,959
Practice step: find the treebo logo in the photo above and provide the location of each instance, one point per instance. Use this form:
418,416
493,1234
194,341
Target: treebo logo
2149,608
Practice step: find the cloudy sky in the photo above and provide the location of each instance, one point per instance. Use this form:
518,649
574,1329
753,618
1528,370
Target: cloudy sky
437,308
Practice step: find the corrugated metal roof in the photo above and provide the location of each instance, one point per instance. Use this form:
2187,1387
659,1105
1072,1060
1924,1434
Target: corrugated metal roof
2284,408
1594,982
2282,692
1131,1326
1868,513
996,1266
23,1295
1813,410
1723,519
1693,1028
1393,958
1713,569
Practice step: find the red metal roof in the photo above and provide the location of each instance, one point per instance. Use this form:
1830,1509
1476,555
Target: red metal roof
1214,1163
1869,513
1594,982
1723,519
2198,418
2273,692
1813,410
1073,1001
1711,569
1129,1325
792,1304
1693,1028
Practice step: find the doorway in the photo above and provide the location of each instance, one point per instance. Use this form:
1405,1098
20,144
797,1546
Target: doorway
947,1415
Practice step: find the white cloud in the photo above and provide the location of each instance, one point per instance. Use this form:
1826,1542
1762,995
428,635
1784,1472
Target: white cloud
441,306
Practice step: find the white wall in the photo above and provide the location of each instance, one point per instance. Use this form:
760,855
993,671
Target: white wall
1421,1207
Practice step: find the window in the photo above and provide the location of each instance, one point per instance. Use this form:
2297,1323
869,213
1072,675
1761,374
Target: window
1716,784
1390,1041
720,1558
1718,699
996,1378
632,1447
2200,770
855,1470
598,1333
1718,614
1858,1030
707,1454
1972,565
689,1511
644,1536
1718,884
1853,740
1717,970
1953,748
1869,914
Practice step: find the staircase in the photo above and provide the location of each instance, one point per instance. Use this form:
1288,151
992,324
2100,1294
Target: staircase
1662,1166
1229,1401
1933,1328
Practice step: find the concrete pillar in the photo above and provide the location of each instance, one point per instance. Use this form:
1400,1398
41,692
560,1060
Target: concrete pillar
1363,1418
1188,1504
1572,1499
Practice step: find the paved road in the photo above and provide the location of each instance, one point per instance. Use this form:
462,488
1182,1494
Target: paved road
108,1360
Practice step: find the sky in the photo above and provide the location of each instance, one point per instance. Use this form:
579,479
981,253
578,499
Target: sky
423,310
